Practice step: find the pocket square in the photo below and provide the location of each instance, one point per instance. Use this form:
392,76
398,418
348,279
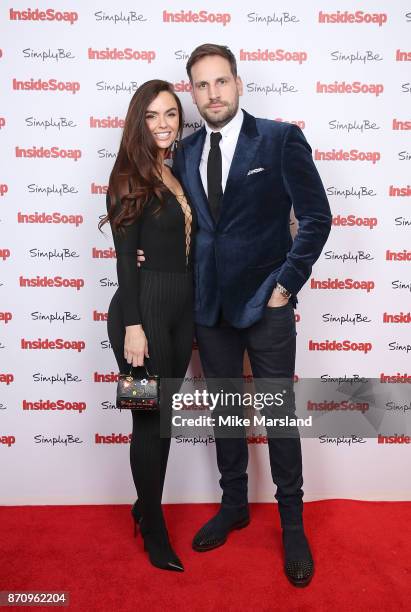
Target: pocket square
255,171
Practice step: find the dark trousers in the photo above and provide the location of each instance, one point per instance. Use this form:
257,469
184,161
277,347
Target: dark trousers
270,344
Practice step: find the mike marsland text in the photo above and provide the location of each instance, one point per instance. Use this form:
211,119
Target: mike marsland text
236,421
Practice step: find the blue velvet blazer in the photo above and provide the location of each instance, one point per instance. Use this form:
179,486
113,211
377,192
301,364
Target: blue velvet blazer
239,259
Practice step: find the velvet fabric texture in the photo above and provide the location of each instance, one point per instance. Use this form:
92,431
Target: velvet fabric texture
239,259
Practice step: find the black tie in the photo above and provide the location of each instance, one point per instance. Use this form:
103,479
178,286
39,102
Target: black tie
214,174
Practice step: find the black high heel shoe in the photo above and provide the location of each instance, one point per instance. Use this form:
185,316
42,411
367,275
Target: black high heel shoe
159,549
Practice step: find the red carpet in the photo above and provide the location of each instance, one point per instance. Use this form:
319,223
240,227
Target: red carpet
362,552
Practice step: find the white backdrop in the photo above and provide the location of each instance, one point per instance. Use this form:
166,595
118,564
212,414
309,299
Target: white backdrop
51,456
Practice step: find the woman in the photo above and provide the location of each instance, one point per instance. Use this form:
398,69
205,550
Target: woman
151,314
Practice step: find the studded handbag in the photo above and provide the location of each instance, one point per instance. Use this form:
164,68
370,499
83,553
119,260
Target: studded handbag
138,392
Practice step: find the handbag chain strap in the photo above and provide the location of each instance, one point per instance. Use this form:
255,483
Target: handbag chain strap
143,366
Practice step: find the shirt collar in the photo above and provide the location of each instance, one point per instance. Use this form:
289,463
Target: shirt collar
232,128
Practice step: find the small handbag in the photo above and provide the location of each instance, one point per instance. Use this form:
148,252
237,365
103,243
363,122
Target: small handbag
138,392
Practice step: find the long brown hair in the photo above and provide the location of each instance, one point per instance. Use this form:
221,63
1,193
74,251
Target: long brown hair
134,178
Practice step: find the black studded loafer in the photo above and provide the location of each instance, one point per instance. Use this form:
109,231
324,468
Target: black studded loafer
214,533
299,572
298,561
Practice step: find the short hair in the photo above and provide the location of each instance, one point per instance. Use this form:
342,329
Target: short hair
211,49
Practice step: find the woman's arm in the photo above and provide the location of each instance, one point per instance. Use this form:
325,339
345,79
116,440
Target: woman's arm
125,244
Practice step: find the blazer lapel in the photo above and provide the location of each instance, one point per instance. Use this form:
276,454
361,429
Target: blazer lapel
245,151
192,154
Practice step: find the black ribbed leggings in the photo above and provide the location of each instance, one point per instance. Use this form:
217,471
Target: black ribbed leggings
166,306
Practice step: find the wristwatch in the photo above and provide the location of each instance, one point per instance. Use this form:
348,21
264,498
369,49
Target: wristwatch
283,290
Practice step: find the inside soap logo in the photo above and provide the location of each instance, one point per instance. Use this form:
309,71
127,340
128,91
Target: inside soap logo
7,440
120,54
193,17
51,85
357,17
4,254
45,153
6,378
270,55
46,15
5,317
375,89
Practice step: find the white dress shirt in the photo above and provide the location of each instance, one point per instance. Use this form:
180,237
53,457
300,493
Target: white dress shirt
228,143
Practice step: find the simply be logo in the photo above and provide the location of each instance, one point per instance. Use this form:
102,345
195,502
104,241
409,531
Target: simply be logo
49,54
58,122
66,440
361,126
115,18
350,256
65,378
50,190
355,56
351,192
274,18
55,317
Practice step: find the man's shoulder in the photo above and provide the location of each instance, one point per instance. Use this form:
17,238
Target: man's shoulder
270,128
272,125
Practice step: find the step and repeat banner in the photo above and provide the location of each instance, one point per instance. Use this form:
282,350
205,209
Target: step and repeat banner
342,72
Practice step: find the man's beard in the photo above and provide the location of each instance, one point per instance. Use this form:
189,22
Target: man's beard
229,112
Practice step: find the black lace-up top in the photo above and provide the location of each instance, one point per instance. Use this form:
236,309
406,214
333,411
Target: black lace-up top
167,240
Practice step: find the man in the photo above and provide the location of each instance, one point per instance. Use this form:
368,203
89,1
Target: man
242,174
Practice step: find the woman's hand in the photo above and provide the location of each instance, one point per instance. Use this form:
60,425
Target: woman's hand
140,257
135,345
